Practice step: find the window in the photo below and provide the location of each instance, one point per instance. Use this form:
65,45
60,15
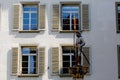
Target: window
29,17
63,58
66,14
29,60
118,49
68,58
118,16
69,13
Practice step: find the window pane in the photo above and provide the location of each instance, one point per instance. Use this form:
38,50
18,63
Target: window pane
65,70
34,8
66,64
34,15
32,58
66,21
33,51
65,15
24,64
26,8
34,27
24,58
66,58
24,70
66,51
33,21
26,50
25,15
32,71
25,27
26,21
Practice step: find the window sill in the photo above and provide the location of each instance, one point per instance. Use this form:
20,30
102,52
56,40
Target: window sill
69,31
65,75
29,31
28,75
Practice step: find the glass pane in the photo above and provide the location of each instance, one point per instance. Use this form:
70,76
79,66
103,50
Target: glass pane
73,64
25,15
34,8
24,58
26,8
73,58
34,27
65,70
66,64
25,27
33,51
77,21
25,21
70,8
26,50
66,51
75,15
118,9
32,71
34,15
66,21
77,27
24,70
33,21
118,15
65,15
66,58
32,59
24,64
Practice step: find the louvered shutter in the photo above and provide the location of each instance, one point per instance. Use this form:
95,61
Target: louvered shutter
14,60
85,63
16,23
55,17
42,20
55,60
85,17
41,60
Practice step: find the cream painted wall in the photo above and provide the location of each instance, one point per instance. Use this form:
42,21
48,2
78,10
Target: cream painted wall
101,38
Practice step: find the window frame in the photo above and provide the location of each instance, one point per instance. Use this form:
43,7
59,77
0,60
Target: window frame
20,60
79,15
21,17
118,54
117,18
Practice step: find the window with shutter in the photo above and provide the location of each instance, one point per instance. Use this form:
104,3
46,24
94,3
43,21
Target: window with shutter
67,59
67,14
29,62
29,17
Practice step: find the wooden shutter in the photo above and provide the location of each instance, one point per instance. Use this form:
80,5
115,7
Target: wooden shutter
41,60
42,17
14,60
55,60
85,63
85,17
16,23
55,17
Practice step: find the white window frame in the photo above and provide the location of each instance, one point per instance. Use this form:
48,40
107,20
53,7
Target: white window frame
30,12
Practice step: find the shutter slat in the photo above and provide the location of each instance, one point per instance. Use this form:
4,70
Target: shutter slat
16,17
85,63
14,60
41,60
42,16
55,17
55,60
85,17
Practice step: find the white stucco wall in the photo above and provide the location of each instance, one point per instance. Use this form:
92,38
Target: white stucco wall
102,39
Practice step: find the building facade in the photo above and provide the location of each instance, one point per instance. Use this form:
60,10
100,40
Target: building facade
37,38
